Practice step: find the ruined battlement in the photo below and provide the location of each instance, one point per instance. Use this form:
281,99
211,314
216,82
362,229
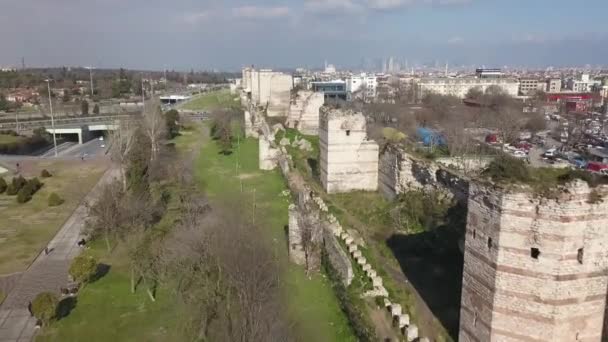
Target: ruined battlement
399,172
349,161
535,268
304,112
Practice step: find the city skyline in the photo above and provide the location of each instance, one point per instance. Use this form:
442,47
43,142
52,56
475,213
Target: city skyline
188,34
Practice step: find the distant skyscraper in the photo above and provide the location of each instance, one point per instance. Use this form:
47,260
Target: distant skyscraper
391,65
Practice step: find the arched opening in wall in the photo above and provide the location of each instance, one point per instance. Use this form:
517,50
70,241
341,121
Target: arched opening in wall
489,243
474,234
534,253
579,256
348,132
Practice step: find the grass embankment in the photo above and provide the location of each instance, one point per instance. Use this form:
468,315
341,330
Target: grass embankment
9,139
25,229
106,310
313,306
108,307
213,100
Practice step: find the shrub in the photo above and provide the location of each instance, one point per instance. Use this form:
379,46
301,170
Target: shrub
16,184
505,168
44,307
35,184
3,185
55,200
25,194
83,268
45,173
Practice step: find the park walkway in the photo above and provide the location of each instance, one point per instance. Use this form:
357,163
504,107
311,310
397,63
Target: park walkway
46,273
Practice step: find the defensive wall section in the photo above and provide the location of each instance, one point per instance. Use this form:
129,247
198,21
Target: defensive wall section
348,160
535,268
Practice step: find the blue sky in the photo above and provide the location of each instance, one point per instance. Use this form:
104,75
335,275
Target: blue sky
226,34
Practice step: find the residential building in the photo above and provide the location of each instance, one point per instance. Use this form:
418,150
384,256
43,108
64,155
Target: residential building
554,85
364,84
459,87
528,86
582,85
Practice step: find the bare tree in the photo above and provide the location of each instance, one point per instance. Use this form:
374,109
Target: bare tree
122,141
154,126
310,237
106,214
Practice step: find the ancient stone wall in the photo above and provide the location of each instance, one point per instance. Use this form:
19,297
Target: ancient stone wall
280,94
304,112
399,172
339,260
349,161
535,269
267,154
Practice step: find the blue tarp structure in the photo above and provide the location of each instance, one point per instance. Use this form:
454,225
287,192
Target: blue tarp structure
430,137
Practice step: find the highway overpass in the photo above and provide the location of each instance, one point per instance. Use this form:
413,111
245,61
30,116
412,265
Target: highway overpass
73,121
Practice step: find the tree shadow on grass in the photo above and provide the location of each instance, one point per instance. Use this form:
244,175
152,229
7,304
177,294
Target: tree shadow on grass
102,270
432,262
65,306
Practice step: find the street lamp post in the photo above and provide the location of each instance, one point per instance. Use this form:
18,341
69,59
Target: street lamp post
91,79
48,83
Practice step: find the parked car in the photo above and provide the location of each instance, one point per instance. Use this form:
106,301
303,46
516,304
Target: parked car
550,153
519,154
597,167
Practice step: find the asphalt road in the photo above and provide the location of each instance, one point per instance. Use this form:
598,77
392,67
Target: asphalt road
88,149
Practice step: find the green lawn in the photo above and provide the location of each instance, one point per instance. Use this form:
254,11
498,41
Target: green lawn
106,310
9,139
213,100
312,303
25,229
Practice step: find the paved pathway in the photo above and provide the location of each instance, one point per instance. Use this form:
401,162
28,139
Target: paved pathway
47,273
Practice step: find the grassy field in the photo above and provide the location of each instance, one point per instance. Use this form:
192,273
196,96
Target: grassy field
8,139
113,313
313,305
106,310
25,229
213,100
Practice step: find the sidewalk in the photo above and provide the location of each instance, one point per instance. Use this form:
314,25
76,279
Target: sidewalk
47,272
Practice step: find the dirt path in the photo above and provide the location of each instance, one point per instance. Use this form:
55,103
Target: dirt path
47,272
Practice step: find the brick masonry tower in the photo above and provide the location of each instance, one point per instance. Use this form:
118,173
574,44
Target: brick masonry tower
535,268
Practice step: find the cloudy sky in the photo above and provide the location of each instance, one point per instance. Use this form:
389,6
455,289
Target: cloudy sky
226,34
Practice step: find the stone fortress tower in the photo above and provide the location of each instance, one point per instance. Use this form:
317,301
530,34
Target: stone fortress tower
535,269
349,161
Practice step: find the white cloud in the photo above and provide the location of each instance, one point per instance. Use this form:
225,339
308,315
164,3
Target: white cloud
255,12
332,6
455,40
197,17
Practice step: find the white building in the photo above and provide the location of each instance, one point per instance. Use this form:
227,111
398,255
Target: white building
528,86
363,83
459,87
554,85
583,85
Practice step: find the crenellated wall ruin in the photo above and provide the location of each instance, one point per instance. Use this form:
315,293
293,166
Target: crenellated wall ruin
535,269
399,172
349,161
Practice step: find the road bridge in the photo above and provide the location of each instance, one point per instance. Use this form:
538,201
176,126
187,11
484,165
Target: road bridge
71,121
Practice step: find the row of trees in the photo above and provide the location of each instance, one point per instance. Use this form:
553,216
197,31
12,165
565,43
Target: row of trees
210,258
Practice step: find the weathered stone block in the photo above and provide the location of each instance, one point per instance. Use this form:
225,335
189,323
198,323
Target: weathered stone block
395,310
356,254
376,281
411,333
